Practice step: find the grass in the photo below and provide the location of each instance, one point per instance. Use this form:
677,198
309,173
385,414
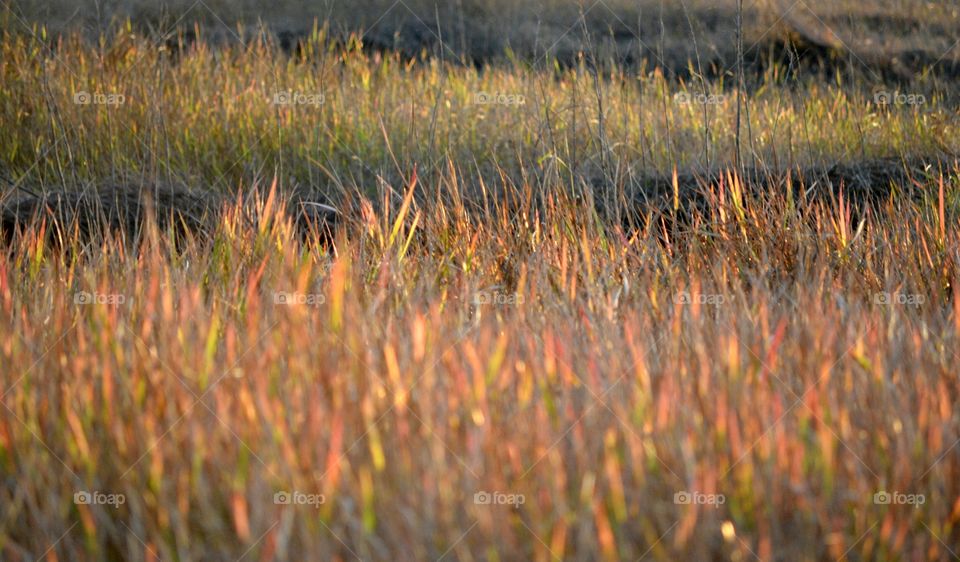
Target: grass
208,118
509,349
670,33
778,352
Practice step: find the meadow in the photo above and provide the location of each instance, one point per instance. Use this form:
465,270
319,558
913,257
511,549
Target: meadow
323,301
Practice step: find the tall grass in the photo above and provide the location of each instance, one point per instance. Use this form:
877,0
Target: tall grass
500,354
792,356
208,118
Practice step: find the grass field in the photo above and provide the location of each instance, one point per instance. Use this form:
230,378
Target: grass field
334,301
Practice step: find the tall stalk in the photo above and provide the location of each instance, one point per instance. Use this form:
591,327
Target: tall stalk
740,80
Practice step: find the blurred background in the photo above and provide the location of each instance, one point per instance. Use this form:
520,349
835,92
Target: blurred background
893,38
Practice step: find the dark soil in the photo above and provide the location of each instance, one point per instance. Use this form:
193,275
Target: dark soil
124,210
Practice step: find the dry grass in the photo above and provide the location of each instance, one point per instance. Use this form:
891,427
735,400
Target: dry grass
905,35
506,307
208,118
580,379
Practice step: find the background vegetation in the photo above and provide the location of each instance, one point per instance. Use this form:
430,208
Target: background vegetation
389,280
